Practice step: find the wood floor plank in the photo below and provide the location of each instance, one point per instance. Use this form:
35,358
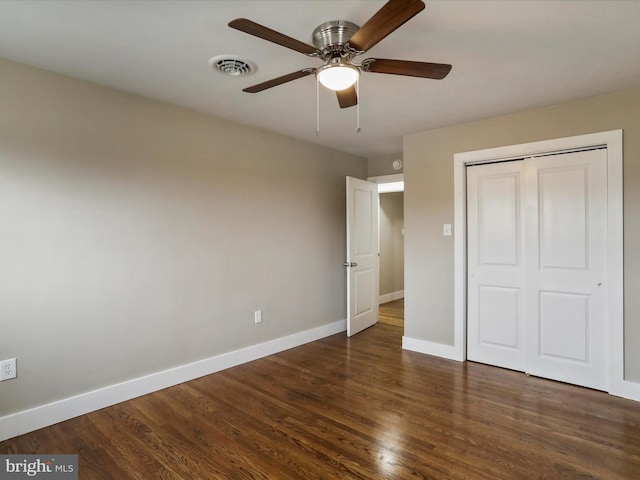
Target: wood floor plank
392,313
355,408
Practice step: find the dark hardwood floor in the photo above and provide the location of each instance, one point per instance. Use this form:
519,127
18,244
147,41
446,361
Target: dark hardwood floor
392,313
357,407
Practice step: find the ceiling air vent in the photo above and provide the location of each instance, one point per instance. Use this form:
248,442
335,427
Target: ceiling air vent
232,65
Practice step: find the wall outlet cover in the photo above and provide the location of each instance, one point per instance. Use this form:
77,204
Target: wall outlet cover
7,369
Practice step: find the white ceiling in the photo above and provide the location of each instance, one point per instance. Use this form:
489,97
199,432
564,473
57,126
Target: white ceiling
507,56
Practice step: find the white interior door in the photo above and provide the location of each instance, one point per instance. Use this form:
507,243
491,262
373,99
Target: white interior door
566,267
495,264
536,262
362,255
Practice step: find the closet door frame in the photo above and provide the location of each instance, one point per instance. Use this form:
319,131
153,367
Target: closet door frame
612,140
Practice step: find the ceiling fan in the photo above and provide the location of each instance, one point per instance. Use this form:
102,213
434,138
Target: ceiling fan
338,42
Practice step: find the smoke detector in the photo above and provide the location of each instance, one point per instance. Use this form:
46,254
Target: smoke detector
232,65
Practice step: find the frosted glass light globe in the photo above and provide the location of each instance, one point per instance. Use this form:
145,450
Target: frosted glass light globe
338,76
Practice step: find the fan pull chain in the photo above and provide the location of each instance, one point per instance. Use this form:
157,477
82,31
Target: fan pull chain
358,106
317,107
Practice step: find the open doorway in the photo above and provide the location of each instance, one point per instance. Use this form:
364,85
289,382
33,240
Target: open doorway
391,249
391,234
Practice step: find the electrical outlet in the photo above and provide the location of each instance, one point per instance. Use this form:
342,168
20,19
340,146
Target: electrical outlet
257,316
7,369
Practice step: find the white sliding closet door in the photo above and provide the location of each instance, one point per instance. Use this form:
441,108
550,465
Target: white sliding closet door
537,262
495,264
566,268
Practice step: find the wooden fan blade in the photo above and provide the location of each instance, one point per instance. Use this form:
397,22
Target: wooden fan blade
279,81
437,71
347,97
391,16
260,31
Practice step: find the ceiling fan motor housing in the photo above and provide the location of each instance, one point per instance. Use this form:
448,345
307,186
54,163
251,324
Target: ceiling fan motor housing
330,37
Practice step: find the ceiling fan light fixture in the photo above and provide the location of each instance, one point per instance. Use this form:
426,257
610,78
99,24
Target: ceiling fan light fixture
337,43
337,76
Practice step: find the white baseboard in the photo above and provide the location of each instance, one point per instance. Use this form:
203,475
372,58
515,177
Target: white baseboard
42,416
390,297
626,389
431,348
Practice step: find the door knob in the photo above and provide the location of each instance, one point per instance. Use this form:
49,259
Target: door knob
347,264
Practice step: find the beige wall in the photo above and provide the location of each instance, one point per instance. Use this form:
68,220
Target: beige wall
383,165
391,242
428,158
138,236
